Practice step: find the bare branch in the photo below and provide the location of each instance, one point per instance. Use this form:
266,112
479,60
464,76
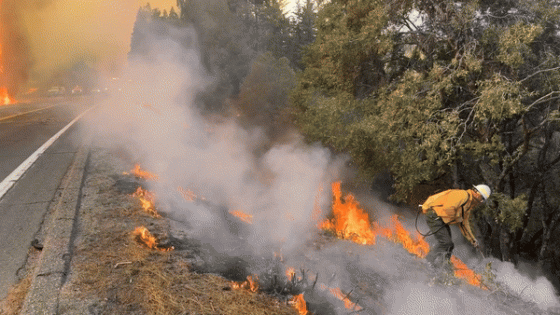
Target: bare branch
538,72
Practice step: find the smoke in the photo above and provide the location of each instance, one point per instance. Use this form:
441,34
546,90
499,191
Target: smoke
154,117
14,58
42,40
539,291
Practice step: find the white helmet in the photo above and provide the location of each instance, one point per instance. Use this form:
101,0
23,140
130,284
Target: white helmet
483,190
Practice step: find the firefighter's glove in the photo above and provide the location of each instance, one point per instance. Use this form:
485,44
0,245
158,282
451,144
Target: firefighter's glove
475,244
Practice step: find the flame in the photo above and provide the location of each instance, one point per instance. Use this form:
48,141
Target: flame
5,98
145,237
249,284
290,273
147,200
189,195
352,223
337,292
140,173
418,246
463,272
247,218
300,305
349,222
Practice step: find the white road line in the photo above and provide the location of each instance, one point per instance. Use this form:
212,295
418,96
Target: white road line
9,181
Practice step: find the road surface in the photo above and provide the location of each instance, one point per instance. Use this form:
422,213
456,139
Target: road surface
24,128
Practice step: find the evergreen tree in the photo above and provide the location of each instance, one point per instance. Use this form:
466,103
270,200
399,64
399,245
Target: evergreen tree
448,92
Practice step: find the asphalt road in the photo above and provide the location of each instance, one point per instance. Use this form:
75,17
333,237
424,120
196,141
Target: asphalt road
24,128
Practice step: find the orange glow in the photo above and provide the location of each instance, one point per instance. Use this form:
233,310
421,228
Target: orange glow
300,305
336,292
418,246
352,223
145,237
140,173
249,284
5,98
147,199
463,272
247,218
188,195
290,273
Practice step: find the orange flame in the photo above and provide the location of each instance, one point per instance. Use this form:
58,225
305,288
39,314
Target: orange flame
140,173
5,98
352,223
188,195
290,273
147,200
418,247
349,222
145,237
247,218
463,272
300,305
336,292
249,284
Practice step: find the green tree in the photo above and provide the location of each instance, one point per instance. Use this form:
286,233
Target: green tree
263,97
453,92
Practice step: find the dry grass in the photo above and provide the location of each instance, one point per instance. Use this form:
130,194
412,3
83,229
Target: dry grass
13,302
111,266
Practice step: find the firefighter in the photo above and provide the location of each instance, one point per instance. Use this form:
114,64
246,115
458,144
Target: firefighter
453,206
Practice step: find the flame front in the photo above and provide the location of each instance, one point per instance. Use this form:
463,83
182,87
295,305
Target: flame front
352,223
463,272
188,194
337,293
349,222
140,173
249,284
145,237
417,246
247,218
147,199
300,305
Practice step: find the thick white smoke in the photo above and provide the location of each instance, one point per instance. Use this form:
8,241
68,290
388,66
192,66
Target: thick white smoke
152,113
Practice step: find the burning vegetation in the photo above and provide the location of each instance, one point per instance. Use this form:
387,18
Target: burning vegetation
147,200
138,172
247,218
144,237
351,222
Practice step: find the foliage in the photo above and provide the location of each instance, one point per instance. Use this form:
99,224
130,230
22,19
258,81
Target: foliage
506,210
264,92
461,92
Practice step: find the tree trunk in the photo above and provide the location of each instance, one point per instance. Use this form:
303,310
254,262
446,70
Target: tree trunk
506,245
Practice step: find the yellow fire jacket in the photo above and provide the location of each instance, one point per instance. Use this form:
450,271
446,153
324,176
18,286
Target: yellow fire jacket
454,206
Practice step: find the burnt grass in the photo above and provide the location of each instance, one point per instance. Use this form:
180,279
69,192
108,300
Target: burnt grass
112,273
